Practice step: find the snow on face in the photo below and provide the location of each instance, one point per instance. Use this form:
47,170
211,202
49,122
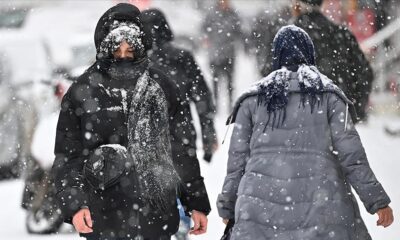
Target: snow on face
122,31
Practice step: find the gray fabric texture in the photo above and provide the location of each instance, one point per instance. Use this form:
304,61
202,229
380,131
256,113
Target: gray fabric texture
294,181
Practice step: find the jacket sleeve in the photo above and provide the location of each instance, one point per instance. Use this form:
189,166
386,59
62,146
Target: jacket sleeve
353,159
201,95
239,152
68,164
193,194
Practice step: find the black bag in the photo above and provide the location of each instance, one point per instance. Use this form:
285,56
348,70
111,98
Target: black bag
106,165
228,230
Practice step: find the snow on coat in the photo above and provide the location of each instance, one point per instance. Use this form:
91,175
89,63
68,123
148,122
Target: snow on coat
292,181
149,143
101,108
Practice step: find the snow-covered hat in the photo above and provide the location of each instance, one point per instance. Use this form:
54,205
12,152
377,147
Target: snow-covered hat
120,22
122,31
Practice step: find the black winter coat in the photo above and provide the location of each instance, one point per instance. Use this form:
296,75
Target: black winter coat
339,57
181,68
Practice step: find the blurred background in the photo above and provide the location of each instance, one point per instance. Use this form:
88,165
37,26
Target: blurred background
45,45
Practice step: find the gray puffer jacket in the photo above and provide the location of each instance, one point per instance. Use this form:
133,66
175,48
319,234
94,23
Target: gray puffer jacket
293,181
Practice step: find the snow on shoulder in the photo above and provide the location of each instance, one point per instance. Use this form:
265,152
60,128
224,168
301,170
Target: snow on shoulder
277,85
117,147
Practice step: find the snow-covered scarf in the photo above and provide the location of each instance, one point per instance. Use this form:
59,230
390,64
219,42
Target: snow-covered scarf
293,54
273,92
120,31
293,50
149,143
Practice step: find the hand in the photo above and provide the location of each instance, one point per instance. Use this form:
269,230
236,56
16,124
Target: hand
83,221
385,217
225,221
200,223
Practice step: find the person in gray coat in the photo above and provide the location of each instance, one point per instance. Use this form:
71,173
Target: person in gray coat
294,155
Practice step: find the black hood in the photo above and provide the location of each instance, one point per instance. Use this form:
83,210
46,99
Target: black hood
155,25
121,12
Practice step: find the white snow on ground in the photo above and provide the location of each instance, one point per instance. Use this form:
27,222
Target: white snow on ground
383,152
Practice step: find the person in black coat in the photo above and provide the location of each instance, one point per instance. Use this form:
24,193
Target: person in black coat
338,54
114,171
180,66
